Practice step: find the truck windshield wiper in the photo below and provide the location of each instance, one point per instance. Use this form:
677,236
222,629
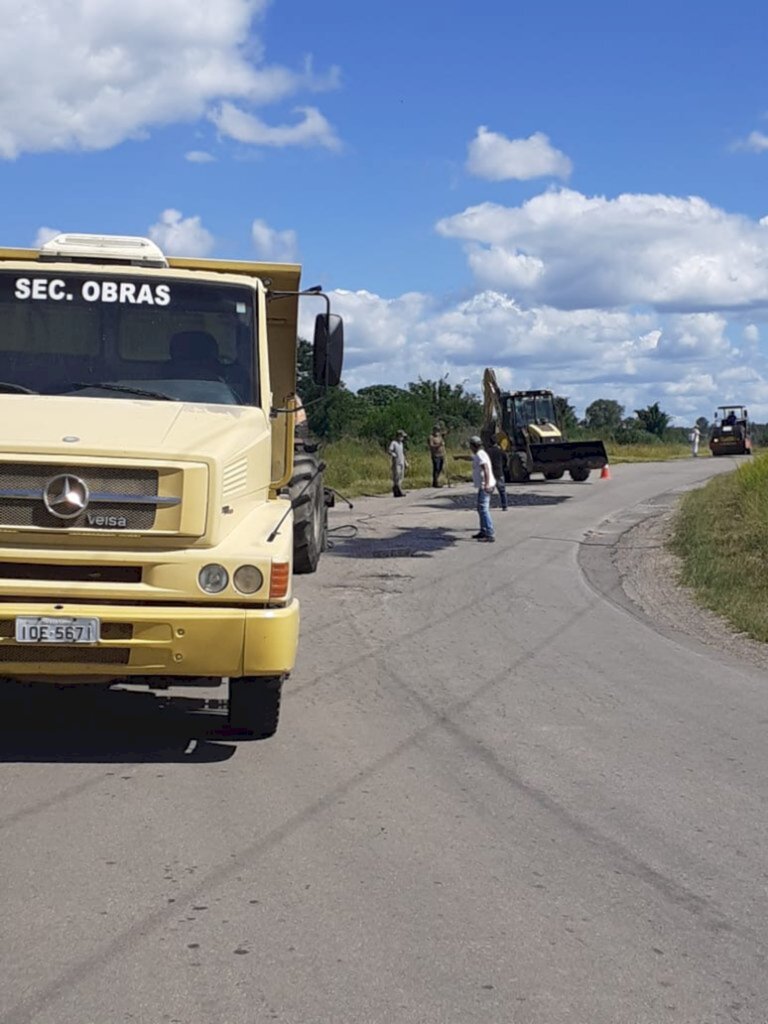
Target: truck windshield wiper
127,389
16,389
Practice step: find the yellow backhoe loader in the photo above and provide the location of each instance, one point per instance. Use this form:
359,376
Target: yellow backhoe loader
525,425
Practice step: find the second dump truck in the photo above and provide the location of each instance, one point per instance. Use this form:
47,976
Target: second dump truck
147,480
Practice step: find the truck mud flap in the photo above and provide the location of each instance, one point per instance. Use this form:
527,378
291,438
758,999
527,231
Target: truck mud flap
567,454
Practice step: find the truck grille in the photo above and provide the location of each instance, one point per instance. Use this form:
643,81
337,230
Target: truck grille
113,493
64,655
38,571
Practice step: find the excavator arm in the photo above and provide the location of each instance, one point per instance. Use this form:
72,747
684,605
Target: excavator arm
492,411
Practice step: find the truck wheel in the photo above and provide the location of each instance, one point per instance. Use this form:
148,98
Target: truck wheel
310,514
518,474
579,474
254,705
553,474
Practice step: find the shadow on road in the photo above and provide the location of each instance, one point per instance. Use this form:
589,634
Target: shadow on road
81,725
515,499
404,542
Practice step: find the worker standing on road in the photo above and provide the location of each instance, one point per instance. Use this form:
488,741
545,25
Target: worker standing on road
694,437
498,464
399,462
436,446
484,481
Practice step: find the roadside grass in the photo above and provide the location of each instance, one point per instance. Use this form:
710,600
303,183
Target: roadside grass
357,467
721,533
651,452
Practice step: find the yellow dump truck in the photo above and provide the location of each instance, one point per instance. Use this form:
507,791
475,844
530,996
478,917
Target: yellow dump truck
147,482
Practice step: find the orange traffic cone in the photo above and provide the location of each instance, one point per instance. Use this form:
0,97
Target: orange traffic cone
605,472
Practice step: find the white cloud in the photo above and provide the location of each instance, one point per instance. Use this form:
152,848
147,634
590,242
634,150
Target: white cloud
685,361
698,384
498,267
751,334
694,336
755,142
44,235
497,158
89,74
311,130
181,236
199,156
272,245
566,249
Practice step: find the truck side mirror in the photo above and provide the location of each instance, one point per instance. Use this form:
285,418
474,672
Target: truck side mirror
328,349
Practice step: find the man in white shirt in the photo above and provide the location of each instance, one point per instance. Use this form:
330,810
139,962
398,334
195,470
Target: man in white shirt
484,481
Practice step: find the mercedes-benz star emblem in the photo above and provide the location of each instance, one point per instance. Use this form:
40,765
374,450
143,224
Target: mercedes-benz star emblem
66,496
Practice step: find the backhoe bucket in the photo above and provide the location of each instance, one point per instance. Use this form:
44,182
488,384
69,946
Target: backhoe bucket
567,455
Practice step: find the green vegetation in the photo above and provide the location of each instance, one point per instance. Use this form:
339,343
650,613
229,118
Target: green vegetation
603,414
662,451
374,413
356,427
653,420
358,467
721,534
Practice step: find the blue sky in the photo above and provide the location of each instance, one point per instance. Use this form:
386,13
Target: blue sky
571,193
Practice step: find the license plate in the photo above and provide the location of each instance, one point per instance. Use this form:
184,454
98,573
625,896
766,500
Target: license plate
56,630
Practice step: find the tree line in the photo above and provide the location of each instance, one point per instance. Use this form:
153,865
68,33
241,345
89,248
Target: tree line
375,412
605,418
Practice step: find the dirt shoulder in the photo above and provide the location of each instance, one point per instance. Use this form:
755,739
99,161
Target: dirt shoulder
649,573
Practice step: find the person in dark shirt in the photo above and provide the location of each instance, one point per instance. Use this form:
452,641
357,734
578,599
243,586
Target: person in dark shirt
498,465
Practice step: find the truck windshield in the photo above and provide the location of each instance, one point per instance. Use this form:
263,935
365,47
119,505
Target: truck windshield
534,409
67,334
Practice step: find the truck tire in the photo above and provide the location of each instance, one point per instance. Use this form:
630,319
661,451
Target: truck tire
553,474
579,474
310,514
518,474
254,705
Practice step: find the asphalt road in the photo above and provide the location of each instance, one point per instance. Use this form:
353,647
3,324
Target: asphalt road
497,795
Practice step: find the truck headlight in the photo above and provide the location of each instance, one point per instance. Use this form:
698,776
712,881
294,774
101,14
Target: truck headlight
247,579
213,578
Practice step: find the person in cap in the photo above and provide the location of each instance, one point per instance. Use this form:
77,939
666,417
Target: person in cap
484,481
436,446
398,461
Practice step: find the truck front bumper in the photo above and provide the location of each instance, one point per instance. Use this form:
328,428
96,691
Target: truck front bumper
154,641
